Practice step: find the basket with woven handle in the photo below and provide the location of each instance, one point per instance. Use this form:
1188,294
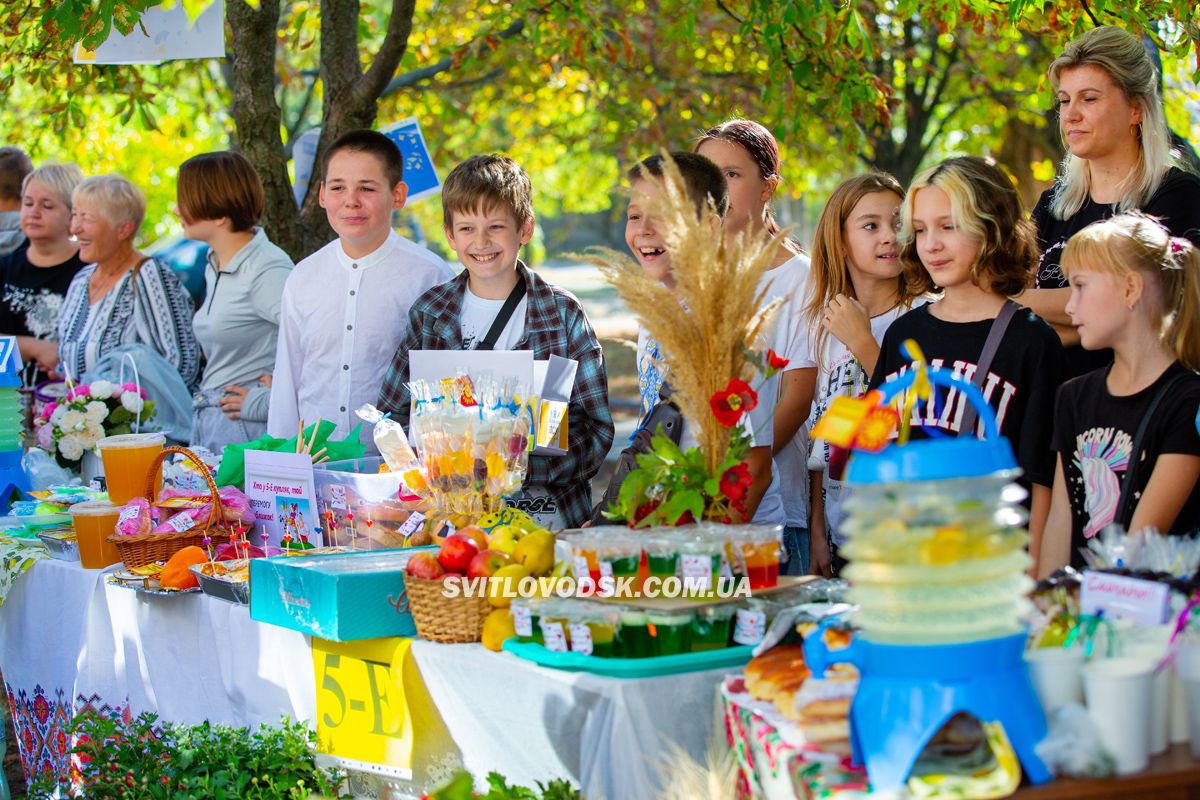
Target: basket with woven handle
146,548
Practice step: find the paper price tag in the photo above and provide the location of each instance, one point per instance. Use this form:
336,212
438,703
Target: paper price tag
726,570
581,638
411,524
606,569
128,514
522,620
581,568
750,626
337,497
181,522
553,636
697,570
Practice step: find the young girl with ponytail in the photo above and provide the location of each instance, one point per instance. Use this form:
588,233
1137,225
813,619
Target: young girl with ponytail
1128,447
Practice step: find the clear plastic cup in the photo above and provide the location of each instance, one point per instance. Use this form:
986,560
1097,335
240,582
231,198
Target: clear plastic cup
623,555
700,566
712,627
94,521
671,631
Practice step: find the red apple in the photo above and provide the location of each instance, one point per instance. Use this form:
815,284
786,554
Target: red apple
476,534
456,554
426,566
485,564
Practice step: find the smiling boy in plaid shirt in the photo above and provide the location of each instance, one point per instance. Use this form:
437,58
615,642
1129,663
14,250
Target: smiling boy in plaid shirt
497,303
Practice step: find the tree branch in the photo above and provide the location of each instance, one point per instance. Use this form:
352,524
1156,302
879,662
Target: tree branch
415,76
387,58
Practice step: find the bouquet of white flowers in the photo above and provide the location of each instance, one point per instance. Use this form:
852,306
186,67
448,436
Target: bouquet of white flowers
86,415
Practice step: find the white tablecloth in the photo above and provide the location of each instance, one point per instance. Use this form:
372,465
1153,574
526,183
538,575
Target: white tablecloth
69,641
608,736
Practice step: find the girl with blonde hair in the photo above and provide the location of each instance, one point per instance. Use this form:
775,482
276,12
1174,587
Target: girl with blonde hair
964,235
1128,448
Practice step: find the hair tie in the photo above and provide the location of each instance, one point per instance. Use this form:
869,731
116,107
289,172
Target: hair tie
1176,247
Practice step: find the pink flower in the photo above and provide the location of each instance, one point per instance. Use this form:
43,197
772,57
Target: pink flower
45,438
81,390
50,408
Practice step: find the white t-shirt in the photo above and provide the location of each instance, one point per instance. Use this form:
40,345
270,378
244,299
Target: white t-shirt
478,315
841,375
789,337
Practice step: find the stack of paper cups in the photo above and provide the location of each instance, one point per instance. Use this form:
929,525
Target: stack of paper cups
1057,676
1151,654
1118,699
1187,664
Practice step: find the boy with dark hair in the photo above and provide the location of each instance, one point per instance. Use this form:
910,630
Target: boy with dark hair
14,167
704,183
497,303
345,307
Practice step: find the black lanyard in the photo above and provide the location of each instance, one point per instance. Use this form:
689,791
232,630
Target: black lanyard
503,315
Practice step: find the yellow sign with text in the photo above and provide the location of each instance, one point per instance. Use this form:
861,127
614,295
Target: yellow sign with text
374,713
361,714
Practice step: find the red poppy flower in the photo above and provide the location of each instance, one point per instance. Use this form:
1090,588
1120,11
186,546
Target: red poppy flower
729,405
775,361
736,481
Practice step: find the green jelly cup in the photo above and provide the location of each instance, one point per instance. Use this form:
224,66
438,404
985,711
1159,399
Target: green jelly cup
671,631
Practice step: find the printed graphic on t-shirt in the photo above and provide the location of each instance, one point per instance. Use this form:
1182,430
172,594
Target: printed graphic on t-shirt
1050,274
40,307
947,412
1100,453
650,377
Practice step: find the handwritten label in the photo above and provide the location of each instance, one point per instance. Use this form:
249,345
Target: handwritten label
697,571
522,620
553,636
726,570
1141,601
750,626
337,496
606,569
411,524
581,568
128,514
181,522
581,638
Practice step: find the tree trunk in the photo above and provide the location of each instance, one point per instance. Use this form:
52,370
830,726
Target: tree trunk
257,117
351,99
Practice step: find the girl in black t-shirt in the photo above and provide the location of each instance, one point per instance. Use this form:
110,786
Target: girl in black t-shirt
1134,289
963,233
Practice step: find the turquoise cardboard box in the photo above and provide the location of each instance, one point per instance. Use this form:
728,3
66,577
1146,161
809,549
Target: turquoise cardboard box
342,597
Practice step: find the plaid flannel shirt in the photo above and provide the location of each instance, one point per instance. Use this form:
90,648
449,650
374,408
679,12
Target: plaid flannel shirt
554,324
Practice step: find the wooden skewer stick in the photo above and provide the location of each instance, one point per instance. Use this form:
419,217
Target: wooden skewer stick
313,439
300,435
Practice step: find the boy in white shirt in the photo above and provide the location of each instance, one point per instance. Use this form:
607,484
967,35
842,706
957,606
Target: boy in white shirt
345,307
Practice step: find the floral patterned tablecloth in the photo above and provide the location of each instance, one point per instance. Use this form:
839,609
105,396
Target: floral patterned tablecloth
774,760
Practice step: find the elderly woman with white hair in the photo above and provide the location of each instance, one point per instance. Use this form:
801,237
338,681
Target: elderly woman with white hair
122,297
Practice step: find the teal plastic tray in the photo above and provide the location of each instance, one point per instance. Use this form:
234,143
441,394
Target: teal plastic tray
630,667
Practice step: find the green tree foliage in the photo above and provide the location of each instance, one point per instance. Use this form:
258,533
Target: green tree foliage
575,91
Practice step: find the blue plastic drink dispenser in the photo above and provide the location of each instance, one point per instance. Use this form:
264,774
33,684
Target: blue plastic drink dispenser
912,682
12,425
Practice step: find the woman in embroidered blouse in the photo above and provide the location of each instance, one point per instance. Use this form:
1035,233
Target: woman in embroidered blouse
122,297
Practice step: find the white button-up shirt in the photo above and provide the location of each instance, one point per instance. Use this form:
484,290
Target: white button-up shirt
341,322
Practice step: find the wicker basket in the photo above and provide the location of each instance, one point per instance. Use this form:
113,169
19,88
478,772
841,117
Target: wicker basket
445,619
146,548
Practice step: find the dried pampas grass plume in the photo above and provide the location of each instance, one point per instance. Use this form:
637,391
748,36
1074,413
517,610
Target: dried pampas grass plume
684,778
714,313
